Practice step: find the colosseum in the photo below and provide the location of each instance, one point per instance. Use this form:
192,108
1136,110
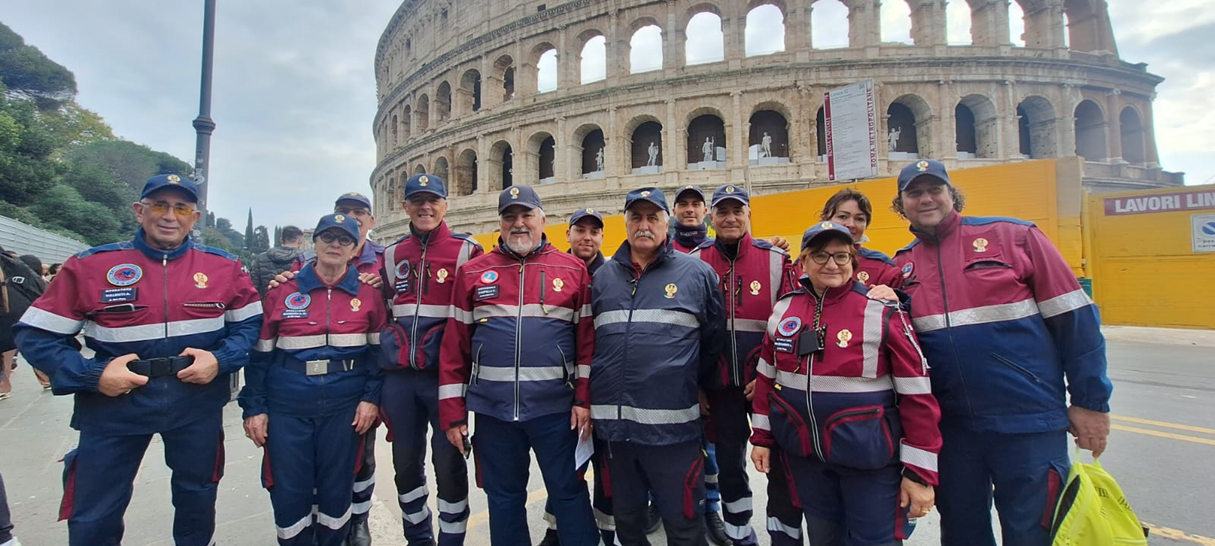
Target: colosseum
590,98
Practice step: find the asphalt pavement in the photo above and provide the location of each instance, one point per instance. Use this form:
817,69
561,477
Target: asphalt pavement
1161,452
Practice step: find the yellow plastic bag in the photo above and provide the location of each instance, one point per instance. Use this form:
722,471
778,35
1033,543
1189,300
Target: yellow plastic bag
1093,511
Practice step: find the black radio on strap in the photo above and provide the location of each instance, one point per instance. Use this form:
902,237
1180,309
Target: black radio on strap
160,367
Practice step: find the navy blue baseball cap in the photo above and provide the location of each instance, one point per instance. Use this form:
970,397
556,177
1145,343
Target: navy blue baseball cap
730,191
345,223
924,167
690,188
356,197
160,181
653,195
586,213
823,229
518,195
425,183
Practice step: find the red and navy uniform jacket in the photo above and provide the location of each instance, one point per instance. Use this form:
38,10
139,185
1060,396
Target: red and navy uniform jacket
369,260
520,337
658,335
866,394
419,274
751,280
307,320
131,298
1003,322
874,268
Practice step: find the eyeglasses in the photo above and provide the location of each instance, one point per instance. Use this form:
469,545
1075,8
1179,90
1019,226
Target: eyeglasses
329,238
182,210
352,211
841,258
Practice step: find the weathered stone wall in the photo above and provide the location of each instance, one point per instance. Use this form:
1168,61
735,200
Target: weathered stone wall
442,68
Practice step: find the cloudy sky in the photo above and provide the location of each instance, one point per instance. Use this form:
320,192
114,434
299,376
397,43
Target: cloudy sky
294,91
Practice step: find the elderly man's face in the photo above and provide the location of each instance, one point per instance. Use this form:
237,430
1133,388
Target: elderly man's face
647,226
522,228
356,210
732,220
167,216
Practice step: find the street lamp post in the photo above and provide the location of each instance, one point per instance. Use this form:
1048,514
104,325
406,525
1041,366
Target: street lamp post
203,124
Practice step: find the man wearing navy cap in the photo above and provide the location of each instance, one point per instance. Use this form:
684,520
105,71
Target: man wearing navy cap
585,236
1017,359
658,325
517,352
690,212
168,320
418,275
753,274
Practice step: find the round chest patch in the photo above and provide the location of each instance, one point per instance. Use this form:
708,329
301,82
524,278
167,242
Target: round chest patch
907,270
124,274
489,276
297,301
789,326
403,270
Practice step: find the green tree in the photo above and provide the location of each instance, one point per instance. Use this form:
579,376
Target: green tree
73,125
25,148
64,207
26,69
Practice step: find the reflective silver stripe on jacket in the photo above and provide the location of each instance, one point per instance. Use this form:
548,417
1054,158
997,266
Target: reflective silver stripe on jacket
668,317
977,315
646,416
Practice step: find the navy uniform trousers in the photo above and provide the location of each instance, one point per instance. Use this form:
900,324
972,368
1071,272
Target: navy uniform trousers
847,506
364,480
99,477
1027,472
410,403
306,455
675,475
503,451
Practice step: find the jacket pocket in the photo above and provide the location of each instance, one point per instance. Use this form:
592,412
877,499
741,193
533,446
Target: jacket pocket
394,345
569,368
788,428
1017,368
431,341
476,365
858,438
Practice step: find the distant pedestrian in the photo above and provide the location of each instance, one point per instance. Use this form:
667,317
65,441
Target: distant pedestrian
278,259
19,287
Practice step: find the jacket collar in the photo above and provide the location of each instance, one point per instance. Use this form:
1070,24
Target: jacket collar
368,255
540,248
742,246
831,295
158,254
948,226
441,231
596,262
307,280
624,254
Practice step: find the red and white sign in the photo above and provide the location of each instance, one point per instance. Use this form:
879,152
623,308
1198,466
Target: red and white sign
850,117
1160,202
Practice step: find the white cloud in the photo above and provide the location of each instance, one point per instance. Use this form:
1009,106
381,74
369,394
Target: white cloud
594,60
957,22
896,22
546,71
765,31
645,49
829,25
705,41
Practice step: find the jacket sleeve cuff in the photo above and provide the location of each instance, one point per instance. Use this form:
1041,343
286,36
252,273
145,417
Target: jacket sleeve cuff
1093,405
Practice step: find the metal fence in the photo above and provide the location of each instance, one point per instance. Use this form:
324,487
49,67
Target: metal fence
26,239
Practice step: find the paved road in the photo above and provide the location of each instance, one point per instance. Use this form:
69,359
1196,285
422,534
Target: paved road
1161,452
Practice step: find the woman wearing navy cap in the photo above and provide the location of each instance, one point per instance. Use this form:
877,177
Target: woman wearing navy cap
314,387
851,209
844,392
